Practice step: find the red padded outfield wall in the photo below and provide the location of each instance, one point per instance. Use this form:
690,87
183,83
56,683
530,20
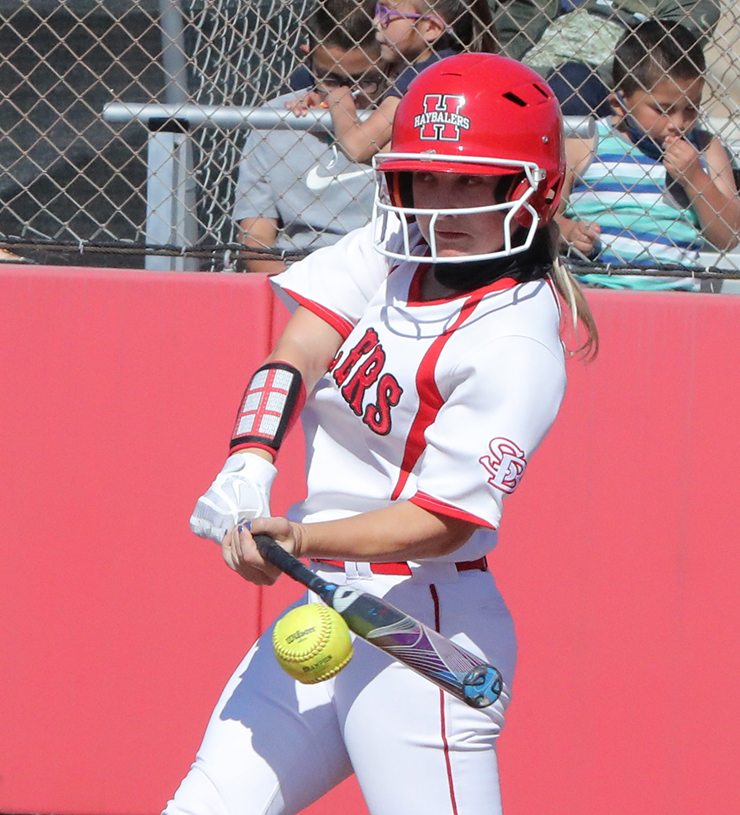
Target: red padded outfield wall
619,554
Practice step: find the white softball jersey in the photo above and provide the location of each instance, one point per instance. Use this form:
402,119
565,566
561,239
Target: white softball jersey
441,403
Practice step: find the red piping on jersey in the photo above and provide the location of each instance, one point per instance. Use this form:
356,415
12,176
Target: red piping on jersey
442,717
430,399
421,499
337,322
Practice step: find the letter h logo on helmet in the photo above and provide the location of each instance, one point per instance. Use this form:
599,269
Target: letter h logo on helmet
442,120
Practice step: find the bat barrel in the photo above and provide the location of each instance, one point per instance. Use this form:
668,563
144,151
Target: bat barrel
482,686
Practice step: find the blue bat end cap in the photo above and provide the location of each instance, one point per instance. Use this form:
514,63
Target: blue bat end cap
482,686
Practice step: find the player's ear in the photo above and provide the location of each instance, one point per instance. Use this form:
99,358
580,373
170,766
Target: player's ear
305,49
617,103
431,28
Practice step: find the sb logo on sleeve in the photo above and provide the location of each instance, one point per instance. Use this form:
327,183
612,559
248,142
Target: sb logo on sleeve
506,464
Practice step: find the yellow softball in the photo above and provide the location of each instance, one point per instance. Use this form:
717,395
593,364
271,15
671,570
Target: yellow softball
312,643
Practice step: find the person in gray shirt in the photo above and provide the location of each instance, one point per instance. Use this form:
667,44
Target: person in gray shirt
296,190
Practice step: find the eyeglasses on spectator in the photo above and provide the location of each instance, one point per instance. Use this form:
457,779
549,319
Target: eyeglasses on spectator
368,84
385,16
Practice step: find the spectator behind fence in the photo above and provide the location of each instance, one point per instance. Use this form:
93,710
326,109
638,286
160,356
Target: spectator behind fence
571,42
413,34
651,187
295,189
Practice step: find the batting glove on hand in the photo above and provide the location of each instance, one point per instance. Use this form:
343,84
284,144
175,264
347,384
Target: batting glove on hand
241,491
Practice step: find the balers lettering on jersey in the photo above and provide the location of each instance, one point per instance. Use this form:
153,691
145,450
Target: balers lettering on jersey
441,119
505,464
359,371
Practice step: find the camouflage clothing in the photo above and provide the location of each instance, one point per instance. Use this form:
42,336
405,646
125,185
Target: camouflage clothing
579,33
541,35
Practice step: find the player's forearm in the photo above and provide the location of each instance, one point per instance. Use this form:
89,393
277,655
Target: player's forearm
720,235
359,140
718,215
308,343
360,143
259,234
402,531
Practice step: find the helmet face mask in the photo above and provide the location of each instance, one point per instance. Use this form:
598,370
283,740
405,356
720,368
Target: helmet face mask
472,115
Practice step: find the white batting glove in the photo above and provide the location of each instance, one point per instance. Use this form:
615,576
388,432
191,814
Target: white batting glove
241,491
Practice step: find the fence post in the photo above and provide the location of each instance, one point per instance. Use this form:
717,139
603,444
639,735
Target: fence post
170,190
170,195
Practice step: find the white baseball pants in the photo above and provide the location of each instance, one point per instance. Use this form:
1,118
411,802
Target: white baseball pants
274,746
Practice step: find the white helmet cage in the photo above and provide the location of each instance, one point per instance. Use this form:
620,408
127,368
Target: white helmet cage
520,223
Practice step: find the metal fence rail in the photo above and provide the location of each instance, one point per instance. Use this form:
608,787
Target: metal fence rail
75,186
123,122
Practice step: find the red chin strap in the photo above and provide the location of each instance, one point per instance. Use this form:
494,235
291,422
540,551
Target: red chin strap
272,402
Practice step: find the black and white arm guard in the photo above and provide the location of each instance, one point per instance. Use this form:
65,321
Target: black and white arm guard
272,402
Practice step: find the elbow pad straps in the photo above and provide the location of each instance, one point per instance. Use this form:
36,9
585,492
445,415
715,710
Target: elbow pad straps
272,402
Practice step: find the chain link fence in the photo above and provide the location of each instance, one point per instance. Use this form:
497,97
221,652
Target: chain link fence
124,122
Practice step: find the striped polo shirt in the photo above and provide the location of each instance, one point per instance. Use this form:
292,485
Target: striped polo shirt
625,192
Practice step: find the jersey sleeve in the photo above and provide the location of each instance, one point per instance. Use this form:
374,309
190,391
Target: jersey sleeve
504,399
336,282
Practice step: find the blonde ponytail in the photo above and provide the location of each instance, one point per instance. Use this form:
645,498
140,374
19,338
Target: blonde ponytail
580,311
571,294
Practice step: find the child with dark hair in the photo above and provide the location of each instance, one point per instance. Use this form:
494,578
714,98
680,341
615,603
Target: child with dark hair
650,187
413,34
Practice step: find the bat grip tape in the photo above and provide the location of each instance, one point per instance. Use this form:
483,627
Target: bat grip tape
272,551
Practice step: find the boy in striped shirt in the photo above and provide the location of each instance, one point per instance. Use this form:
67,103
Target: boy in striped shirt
650,188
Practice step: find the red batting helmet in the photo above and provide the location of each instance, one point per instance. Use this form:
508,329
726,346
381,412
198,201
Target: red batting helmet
476,114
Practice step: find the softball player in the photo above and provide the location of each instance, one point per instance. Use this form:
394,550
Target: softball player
428,347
